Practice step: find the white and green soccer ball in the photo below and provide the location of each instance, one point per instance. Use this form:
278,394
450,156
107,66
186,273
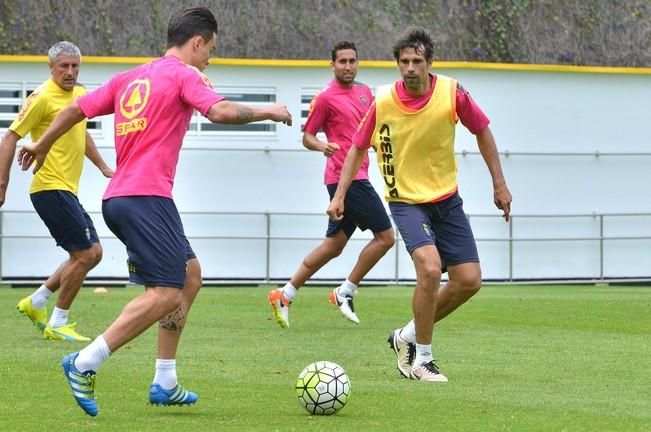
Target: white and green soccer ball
323,388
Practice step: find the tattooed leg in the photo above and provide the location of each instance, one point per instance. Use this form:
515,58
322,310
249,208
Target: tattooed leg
171,327
175,321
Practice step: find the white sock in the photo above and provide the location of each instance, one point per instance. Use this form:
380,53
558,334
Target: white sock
59,317
408,332
92,357
347,289
423,354
289,291
40,297
166,373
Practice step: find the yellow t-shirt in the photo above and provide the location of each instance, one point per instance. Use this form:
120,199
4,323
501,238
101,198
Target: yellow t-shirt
62,167
415,148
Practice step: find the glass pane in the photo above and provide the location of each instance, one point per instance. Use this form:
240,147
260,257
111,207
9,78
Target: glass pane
238,128
249,97
9,108
9,94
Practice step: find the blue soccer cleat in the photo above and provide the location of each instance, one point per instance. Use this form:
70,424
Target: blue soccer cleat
177,396
82,384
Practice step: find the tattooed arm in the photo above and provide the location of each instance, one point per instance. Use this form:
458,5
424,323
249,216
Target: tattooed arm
234,113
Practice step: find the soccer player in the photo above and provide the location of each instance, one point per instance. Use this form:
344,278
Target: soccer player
153,105
53,191
337,110
412,126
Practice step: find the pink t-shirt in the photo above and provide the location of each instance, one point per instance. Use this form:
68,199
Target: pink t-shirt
338,110
153,105
470,114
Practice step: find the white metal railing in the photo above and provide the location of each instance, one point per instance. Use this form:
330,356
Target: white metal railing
510,239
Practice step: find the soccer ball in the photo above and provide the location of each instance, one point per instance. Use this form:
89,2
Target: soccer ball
323,388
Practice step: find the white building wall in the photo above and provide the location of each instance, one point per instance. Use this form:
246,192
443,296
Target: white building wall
550,122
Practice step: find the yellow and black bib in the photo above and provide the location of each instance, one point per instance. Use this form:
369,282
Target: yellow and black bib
415,148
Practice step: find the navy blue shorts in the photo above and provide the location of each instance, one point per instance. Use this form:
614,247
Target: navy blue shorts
68,222
151,229
443,224
363,209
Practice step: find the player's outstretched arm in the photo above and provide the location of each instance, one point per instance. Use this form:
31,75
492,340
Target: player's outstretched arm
501,194
227,112
353,161
7,152
96,158
311,142
35,153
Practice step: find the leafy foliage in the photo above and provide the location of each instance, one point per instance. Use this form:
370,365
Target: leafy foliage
598,32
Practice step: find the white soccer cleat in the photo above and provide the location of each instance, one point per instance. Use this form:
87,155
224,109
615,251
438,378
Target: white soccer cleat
405,353
279,306
344,304
427,372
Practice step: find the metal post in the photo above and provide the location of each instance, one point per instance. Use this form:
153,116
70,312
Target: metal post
397,269
511,249
2,215
268,254
601,247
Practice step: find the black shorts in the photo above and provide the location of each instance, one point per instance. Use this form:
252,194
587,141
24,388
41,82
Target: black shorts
442,224
151,229
363,209
65,218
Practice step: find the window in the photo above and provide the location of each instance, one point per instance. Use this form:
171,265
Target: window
94,126
307,94
252,96
12,96
11,100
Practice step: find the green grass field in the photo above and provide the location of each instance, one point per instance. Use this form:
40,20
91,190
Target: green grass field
519,358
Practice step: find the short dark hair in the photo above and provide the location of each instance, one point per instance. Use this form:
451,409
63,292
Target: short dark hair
187,23
417,38
342,45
